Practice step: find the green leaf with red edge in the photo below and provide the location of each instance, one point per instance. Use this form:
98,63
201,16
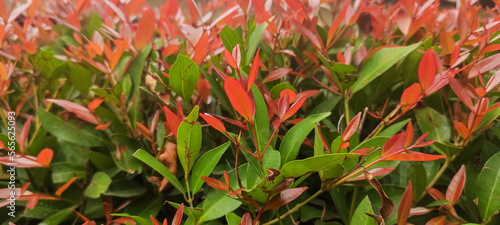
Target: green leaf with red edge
283,198
239,98
214,122
410,97
394,143
405,205
184,76
415,156
352,127
252,75
456,186
427,69
145,29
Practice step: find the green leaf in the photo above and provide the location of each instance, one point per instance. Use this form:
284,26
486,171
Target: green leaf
271,159
392,130
233,219
125,188
379,63
418,177
63,171
229,38
261,123
488,118
488,188
438,125
136,70
188,144
99,184
438,203
151,161
313,164
58,217
254,40
328,65
183,77
194,213
217,204
67,131
359,217
293,139
276,90
205,165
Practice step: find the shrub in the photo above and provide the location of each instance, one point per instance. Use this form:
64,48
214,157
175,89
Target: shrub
249,112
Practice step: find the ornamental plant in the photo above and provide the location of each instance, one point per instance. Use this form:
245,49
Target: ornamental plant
249,112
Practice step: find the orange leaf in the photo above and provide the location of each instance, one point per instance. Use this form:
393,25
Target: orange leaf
252,75
65,186
229,59
440,220
103,126
239,98
427,69
415,156
409,134
410,97
461,128
169,50
293,109
45,157
201,49
336,23
214,122
405,205
144,130
95,103
456,186
145,29
178,215
340,57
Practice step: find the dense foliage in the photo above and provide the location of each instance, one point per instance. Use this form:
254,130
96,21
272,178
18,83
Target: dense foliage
249,112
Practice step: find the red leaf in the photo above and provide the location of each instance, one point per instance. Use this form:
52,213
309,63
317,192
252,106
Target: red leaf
246,219
276,74
65,186
252,75
45,157
440,220
144,130
95,103
456,186
172,120
491,48
410,97
415,156
375,172
309,34
193,11
409,134
493,82
427,69
362,151
461,92
461,128
214,122
201,49
178,215
436,194
405,205
239,98
351,127
484,65
336,23
340,57
145,29
80,111
293,109
283,198
217,184
24,134
394,143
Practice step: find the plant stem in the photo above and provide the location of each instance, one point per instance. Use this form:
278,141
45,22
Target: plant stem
438,175
353,203
189,199
295,208
346,108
